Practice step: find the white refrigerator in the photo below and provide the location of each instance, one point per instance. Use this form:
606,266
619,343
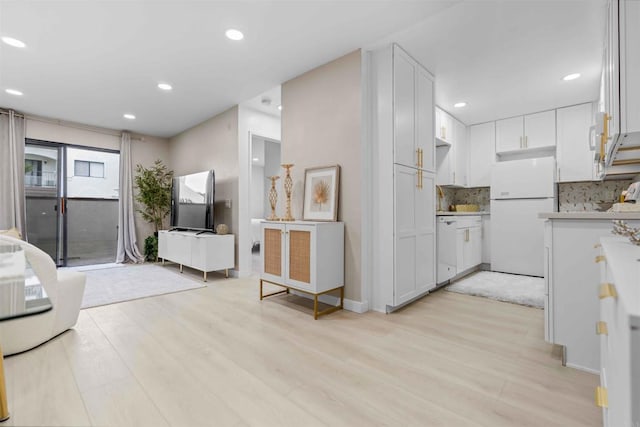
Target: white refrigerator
520,190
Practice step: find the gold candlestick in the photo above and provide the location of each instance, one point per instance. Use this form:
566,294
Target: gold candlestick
288,188
273,198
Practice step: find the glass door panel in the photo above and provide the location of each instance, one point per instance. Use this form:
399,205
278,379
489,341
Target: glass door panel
43,164
92,182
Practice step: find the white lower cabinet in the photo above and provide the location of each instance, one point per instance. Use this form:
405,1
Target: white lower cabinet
572,280
468,243
414,233
618,327
486,241
205,252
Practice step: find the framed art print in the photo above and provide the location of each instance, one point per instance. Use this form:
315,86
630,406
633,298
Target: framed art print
321,186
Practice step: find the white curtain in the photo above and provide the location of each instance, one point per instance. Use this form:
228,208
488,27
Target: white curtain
12,198
127,247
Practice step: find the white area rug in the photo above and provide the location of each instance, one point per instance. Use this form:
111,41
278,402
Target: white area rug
110,285
514,288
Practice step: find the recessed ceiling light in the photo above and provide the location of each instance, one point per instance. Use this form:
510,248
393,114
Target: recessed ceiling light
234,34
14,92
13,42
255,159
164,86
280,107
571,76
460,104
129,116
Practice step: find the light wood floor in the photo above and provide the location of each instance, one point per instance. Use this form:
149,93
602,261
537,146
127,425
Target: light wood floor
218,356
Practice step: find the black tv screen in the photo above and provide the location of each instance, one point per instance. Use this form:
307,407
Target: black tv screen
192,201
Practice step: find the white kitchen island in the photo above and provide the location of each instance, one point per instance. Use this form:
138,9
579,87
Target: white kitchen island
572,278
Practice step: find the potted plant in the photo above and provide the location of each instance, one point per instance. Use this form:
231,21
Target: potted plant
154,194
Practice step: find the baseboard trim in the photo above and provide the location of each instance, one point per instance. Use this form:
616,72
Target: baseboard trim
584,369
349,305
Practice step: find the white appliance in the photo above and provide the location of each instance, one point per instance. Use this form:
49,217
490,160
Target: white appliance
520,190
447,252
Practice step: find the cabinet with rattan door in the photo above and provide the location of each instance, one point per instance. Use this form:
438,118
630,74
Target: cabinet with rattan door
305,256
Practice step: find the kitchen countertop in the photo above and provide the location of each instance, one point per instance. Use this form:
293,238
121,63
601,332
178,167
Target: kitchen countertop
449,213
589,215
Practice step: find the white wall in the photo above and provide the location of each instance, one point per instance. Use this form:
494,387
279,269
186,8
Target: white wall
144,150
321,126
213,144
250,122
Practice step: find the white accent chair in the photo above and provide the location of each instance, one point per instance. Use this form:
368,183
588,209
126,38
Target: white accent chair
65,290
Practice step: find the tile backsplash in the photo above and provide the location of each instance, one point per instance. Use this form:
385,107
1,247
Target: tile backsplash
465,196
585,196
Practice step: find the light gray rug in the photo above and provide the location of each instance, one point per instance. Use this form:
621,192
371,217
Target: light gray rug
514,288
110,285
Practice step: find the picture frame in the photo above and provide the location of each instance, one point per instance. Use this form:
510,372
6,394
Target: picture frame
321,191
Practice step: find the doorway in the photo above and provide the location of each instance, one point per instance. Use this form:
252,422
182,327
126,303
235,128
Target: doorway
265,162
72,202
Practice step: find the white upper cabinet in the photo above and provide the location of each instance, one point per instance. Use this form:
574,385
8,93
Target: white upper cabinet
461,154
533,131
444,127
451,160
424,119
413,107
404,108
540,129
575,158
481,153
510,134
622,67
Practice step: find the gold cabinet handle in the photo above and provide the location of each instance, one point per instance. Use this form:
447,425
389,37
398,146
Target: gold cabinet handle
601,328
418,179
607,290
597,245
421,158
417,157
602,397
600,258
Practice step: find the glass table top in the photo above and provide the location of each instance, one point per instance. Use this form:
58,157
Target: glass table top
21,293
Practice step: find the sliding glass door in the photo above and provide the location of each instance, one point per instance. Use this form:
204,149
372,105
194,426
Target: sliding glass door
72,202
44,202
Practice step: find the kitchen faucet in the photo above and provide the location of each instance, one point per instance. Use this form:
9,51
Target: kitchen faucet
440,197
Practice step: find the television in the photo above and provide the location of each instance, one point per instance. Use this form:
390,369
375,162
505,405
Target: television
192,201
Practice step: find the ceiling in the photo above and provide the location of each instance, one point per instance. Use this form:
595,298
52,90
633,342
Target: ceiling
92,62
506,58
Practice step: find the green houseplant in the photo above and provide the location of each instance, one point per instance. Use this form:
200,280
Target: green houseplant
154,194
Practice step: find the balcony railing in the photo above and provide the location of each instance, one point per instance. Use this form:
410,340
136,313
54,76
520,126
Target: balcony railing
41,179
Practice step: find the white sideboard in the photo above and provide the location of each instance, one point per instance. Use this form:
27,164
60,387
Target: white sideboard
305,256
205,252
619,333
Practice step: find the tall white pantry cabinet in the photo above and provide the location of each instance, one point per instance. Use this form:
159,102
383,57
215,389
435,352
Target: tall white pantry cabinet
404,256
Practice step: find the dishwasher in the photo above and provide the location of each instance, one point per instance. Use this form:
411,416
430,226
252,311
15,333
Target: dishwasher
447,248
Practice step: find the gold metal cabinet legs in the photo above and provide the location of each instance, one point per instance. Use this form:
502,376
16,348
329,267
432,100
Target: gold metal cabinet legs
4,409
316,313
